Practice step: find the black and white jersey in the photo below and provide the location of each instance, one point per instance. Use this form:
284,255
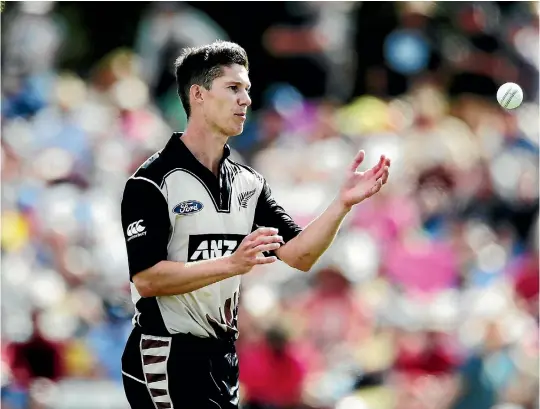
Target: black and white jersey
176,209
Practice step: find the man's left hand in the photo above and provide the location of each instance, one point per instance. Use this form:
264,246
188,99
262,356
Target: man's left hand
359,186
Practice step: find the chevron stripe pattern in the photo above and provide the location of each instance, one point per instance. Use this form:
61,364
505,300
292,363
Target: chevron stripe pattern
155,354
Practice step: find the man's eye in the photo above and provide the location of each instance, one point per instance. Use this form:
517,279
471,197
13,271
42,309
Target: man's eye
234,87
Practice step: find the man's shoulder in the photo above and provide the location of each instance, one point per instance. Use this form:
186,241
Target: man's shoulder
247,171
153,169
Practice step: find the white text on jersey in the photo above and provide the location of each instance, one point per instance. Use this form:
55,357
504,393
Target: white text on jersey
208,249
135,230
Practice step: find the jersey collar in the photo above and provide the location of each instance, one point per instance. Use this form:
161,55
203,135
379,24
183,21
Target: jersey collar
219,187
177,146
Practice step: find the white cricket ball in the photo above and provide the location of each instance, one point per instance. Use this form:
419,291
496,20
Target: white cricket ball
510,95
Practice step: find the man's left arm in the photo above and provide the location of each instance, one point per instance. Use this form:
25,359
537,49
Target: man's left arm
302,248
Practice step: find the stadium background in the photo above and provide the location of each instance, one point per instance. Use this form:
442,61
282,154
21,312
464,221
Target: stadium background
429,297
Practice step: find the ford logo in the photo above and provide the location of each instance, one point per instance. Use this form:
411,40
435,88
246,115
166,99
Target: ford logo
187,207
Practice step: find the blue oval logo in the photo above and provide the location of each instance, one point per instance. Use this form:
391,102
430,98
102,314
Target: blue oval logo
188,207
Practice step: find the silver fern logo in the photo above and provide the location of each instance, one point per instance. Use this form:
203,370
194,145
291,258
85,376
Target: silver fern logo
243,198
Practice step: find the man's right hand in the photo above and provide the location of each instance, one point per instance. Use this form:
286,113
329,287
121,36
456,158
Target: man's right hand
249,252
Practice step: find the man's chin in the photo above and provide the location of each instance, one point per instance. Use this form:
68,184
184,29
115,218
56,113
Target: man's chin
236,131
232,130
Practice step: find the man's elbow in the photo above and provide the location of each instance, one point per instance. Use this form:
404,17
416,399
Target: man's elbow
144,286
300,264
305,267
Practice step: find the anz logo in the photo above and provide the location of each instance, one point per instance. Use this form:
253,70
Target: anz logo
188,207
208,246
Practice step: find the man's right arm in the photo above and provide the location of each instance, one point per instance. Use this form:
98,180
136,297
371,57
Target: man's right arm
146,225
173,278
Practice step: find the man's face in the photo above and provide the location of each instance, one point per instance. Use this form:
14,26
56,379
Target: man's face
226,102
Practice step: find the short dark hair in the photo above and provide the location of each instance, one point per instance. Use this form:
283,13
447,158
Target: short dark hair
202,65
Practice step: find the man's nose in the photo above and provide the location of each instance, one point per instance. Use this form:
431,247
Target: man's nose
245,100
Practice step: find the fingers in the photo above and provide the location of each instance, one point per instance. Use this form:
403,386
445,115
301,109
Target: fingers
383,161
261,240
381,179
377,168
380,165
265,243
358,159
266,240
260,232
385,175
383,168
264,247
376,187
264,231
265,260
382,173
249,254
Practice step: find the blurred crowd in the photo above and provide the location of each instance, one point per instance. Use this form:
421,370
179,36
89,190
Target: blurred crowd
428,298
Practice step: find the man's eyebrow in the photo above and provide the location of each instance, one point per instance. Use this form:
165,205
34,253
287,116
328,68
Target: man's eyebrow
238,83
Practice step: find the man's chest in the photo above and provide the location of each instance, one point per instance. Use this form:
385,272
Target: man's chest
207,223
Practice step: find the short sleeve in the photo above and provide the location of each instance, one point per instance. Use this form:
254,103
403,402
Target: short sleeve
146,225
270,214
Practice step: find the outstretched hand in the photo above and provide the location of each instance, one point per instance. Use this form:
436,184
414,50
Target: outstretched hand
359,186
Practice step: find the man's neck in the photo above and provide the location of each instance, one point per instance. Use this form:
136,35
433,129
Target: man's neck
205,145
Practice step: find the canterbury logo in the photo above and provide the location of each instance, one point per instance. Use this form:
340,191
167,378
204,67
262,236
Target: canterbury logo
135,230
243,198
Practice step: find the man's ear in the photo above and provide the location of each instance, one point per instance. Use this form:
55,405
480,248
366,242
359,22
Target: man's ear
196,94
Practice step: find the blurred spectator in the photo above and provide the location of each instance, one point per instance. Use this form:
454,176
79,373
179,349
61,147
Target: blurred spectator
165,29
34,36
486,373
36,358
331,316
425,353
271,372
107,339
